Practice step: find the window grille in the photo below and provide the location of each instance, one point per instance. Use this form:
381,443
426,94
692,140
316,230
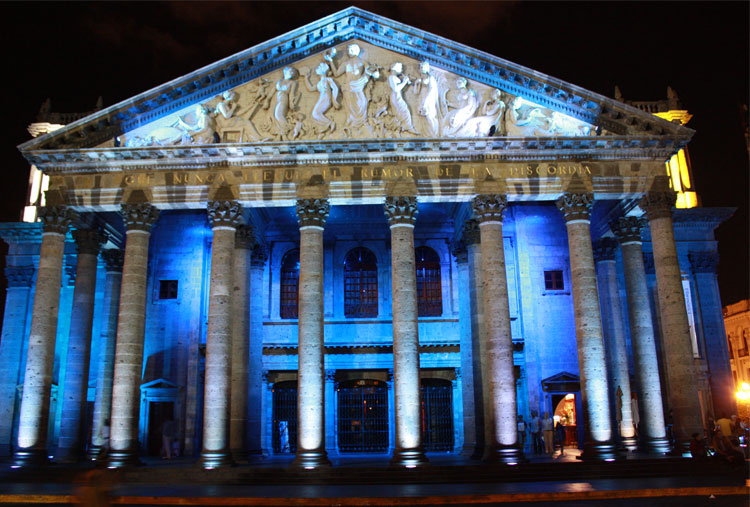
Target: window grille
429,293
362,416
436,400
553,280
285,417
360,284
290,285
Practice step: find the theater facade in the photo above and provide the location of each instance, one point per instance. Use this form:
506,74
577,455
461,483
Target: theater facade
359,237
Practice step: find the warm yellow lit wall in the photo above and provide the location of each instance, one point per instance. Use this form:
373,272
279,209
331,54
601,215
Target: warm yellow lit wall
678,167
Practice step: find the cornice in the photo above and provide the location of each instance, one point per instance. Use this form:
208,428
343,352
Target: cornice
18,232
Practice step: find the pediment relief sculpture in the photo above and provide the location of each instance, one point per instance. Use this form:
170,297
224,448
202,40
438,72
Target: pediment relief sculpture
356,91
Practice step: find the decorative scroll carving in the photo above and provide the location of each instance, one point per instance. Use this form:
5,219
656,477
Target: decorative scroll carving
605,249
19,276
575,206
139,217
704,262
312,212
89,241
401,210
658,204
460,252
490,208
259,255
471,235
56,218
224,213
113,259
244,237
628,229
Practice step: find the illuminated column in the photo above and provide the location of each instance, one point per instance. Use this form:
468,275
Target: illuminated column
591,359
312,215
34,412
614,336
131,322
256,382
244,240
106,363
686,410
461,254
71,439
402,214
503,443
652,431
224,217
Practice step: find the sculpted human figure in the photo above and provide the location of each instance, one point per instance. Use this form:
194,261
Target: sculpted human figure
464,106
229,115
526,119
203,131
492,113
328,94
356,77
287,99
427,88
398,81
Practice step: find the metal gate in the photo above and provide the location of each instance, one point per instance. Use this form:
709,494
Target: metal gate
363,416
436,397
285,417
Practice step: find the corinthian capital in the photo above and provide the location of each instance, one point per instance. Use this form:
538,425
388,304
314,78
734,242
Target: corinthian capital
139,217
658,204
89,241
312,212
604,249
113,259
627,229
244,237
471,232
401,210
224,213
56,218
575,206
490,207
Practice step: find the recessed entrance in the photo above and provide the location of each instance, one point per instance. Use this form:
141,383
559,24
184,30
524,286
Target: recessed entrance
362,416
436,399
158,413
285,417
565,413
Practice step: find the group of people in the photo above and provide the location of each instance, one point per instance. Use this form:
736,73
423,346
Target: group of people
546,434
724,439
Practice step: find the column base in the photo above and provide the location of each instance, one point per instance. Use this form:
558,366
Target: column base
409,458
629,443
599,451
505,454
656,445
29,458
95,452
310,460
215,459
681,448
120,459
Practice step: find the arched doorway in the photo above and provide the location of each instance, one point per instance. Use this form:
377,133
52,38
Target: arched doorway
436,399
284,433
362,422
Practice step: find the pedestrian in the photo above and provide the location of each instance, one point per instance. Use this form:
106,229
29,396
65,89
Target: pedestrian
698,447
725,425
548,429
536,433
167,435
560,437
521,433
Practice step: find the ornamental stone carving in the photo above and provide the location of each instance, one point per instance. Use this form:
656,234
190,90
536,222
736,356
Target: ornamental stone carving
575,206
244,237
19,276
56,219
139,217
312,212
628,229
401,210
471,234
224,213
490,208
605,249
113,259
658,204
259,255
704,262
89,241
460,252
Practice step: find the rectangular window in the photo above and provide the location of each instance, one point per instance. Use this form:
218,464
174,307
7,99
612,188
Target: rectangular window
553,280
167,289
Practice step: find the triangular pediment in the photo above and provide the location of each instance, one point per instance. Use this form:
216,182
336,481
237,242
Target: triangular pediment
464,93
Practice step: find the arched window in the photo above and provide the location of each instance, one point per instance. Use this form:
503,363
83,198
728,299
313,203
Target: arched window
289,284
429,293
360,284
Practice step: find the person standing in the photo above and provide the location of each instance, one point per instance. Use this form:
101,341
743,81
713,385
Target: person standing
521,432
560,437
548,429
167,435
536,433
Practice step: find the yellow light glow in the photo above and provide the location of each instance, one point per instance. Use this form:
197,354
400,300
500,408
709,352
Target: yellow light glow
744,392
684,172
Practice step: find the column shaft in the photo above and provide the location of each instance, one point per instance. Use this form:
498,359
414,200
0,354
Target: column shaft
467,377
256,384
478,344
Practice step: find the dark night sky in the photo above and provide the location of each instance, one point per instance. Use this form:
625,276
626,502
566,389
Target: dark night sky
75,52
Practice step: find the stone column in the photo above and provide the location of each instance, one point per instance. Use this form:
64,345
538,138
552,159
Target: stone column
591,359
40,356
312,215
256,382
224,217
244,240
71,439
131,323
652,432
106,364
614,337
686,410
467,375
503,443
402,214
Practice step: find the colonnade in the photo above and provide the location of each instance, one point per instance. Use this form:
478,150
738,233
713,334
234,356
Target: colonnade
227,349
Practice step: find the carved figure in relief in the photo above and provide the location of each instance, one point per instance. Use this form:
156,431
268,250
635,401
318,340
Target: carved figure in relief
398,81
489,122
357,74
289,124
229,117
526,119
203,131
426,87
328,94
463,104
566,126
